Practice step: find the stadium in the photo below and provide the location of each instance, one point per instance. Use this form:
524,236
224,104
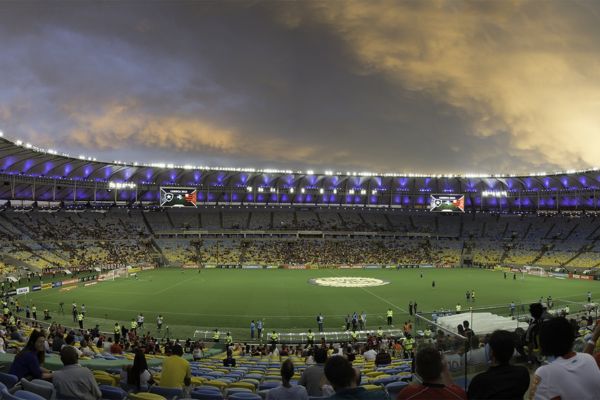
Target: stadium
304,276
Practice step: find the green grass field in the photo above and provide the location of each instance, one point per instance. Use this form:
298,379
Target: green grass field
285,299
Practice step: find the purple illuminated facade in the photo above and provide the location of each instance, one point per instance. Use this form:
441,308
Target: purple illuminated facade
27,174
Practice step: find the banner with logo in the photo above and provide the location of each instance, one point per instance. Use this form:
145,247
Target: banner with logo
23,290
70,282
35,288
46,286
57,284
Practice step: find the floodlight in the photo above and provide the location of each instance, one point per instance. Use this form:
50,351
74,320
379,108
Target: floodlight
249,188
363,192
302,190
321,191
351,191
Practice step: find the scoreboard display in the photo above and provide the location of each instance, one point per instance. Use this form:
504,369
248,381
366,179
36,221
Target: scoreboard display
178,197
447,203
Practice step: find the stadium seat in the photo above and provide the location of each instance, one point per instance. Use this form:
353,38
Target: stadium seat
40,387
112,393
25,395
207,395
9,380
268,385
169,393
229,391
105,380
393,388
145,396
243,385
244,396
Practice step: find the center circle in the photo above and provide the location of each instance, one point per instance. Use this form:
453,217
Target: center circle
348,282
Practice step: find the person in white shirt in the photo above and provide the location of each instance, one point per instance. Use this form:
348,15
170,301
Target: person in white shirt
370,355
568,375
287,391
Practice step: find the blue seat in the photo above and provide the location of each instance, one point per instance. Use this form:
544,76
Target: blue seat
9,380
169,393
395,387
206,387
268,385
207,395
112,393
22,394
385,381
244,396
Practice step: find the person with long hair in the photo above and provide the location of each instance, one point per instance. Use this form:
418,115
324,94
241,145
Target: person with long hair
138,374
28,362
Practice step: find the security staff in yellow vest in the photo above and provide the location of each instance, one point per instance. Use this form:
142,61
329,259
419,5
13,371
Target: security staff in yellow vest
216,336
408,345
379,333
80,320
354,335
34,312
134,325
390,314
427,333
310,338
274,337
117,332
228,339
5,310
458,308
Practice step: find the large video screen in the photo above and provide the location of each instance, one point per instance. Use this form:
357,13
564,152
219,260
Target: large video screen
447,203
178,197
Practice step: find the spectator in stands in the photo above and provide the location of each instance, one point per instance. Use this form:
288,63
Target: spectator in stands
116,348
287,391
176,371
437,382
74,381
383,357
312,376
138,375
28,362
345,380
370,355
590,346
538,316
570,375
502,380
229,361
86,350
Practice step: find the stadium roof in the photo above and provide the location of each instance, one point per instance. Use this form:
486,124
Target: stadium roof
23,165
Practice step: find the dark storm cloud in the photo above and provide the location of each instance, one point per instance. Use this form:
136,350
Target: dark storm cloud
332,85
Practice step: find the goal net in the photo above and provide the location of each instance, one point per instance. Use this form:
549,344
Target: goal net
536,271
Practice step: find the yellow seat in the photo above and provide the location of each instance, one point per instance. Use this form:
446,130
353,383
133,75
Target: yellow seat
105,380
145,396
243,385
373,374
371,388
198,380
218,384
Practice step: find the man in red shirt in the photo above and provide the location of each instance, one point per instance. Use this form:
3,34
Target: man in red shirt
437,383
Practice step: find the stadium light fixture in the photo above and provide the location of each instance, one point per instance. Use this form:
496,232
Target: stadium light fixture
272,190
363,192
249,188
19,142
374,191
310,172
1,133
260,190
351,191
291,190
321,191
302,190
334,191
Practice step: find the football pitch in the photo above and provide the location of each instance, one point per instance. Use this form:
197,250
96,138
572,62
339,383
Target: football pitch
287,300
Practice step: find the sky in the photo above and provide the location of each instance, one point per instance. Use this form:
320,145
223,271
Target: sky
387,86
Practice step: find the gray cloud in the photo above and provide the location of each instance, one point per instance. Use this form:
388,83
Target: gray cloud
410,86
